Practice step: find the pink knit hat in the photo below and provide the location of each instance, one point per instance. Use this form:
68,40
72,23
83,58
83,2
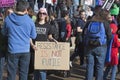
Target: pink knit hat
43,10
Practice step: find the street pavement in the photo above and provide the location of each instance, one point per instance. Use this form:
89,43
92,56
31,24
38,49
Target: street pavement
77,73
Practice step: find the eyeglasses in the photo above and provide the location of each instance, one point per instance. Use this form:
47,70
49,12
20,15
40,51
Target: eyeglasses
42,13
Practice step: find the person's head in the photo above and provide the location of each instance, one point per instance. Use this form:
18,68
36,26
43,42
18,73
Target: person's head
65,13
22,6
82,14
52,16
79,7
97,9
88,8
42,15
30,11
101,15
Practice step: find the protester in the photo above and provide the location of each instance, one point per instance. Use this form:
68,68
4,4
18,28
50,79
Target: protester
61,7
3,42
32,3
89,12
48,6
75,4
44,33
31,65
32,14
62,24
2,48
96,51
40,3
55,26
54,5
114,11
112,65
68,31
79,47
76,12
19,28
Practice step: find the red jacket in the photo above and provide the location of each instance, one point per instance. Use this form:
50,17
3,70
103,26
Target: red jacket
115,45
69,30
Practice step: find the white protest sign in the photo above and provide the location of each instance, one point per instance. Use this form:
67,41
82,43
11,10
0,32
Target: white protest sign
52,56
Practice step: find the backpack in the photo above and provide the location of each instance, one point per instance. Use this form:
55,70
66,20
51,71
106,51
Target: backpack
95,34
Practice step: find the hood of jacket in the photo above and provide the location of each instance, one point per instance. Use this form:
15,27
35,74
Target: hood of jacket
17,19
114,28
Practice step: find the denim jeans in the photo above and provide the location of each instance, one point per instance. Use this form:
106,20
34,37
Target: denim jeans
2,61
62,37
113,72
40,75
95,56
20,61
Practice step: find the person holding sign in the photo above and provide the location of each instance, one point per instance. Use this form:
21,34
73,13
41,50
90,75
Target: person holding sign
19,28
44,33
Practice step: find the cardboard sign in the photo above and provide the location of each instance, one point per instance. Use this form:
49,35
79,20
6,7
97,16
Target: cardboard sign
107,4
7,3
52,56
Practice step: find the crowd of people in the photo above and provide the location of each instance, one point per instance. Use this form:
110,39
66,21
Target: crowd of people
58,21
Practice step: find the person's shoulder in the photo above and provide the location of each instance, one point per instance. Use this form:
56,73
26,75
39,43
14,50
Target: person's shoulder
27,16
106,23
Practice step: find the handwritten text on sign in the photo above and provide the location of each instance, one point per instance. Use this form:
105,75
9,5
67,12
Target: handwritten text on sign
52,56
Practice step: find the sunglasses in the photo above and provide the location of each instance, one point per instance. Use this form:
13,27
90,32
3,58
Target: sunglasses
42,13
